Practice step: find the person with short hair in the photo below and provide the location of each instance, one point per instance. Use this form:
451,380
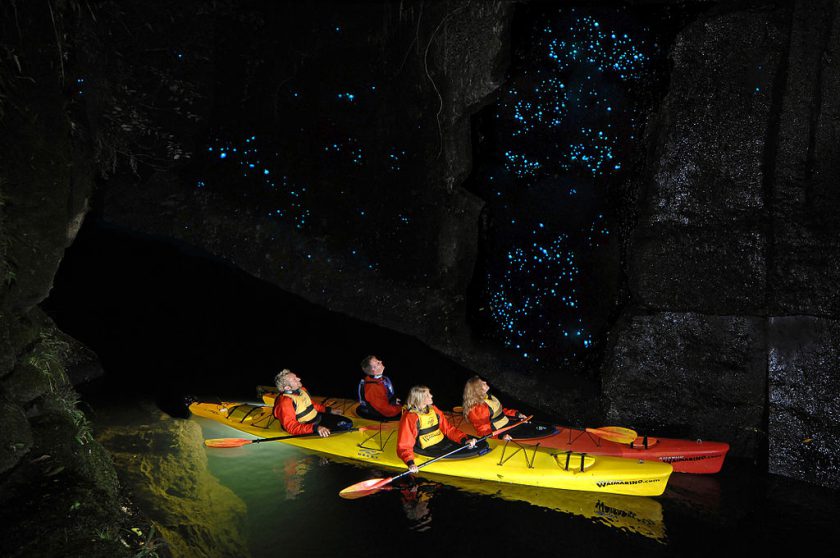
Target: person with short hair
376,392
299,414
424,430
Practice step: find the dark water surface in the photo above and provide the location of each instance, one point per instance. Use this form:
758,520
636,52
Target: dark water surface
167,323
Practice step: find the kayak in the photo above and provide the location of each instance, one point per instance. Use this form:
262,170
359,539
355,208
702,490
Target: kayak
531,466
686,456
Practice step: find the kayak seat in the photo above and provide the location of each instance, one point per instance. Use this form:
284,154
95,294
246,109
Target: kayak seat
369,413
532,430
448,445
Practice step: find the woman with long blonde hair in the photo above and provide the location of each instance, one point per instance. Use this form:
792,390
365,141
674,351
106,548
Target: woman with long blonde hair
487,414
424,430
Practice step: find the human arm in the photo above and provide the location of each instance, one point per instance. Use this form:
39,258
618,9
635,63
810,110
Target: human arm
479,417
406,438
514,413
448,430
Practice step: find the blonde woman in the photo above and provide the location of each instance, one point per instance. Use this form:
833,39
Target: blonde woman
487,414
424,430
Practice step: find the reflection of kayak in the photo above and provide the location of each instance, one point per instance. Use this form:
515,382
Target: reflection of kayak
525,466
633,514
686,456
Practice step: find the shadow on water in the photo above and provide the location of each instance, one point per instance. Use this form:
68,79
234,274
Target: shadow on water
168,322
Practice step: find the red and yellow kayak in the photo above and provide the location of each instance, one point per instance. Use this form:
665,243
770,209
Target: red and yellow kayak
529,466
686,456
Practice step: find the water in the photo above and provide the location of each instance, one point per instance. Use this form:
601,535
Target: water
166,323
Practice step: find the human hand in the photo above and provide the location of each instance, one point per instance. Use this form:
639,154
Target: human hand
521,416
323,431
471,442
413,469
507,438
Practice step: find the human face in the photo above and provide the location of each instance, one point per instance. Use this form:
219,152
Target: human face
376,367
293,382
428,399
484,387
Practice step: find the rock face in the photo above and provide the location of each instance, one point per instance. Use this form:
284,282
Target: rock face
735,234
380,227
163,463
701,242
804,436
804,264
58,489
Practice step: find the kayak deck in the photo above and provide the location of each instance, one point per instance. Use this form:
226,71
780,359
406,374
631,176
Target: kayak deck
506,463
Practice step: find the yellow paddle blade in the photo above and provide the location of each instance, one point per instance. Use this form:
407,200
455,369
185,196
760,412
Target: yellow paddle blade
227,442
364,488
617,434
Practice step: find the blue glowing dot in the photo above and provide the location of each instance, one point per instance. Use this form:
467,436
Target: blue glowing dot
265,171
222,155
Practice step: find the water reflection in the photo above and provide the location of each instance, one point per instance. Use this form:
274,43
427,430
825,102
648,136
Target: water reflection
416,497
293,472
697,493
633,514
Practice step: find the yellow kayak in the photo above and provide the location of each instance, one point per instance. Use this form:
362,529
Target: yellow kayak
686,456
506,463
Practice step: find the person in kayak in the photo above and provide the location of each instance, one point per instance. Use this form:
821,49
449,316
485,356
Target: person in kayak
299,414
424,430
376,393
486,413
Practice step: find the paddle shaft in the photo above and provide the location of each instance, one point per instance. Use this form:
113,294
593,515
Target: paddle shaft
625,437
261,440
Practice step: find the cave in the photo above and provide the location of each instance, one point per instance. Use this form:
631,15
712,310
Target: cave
616,212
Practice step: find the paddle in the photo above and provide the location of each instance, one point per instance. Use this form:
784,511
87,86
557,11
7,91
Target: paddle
614,434
239,442
368,487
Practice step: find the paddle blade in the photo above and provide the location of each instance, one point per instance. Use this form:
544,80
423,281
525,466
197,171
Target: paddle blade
227,442
614,434
364,488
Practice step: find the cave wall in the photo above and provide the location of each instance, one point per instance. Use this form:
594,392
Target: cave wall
803,274
59,492
733,267
437,64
